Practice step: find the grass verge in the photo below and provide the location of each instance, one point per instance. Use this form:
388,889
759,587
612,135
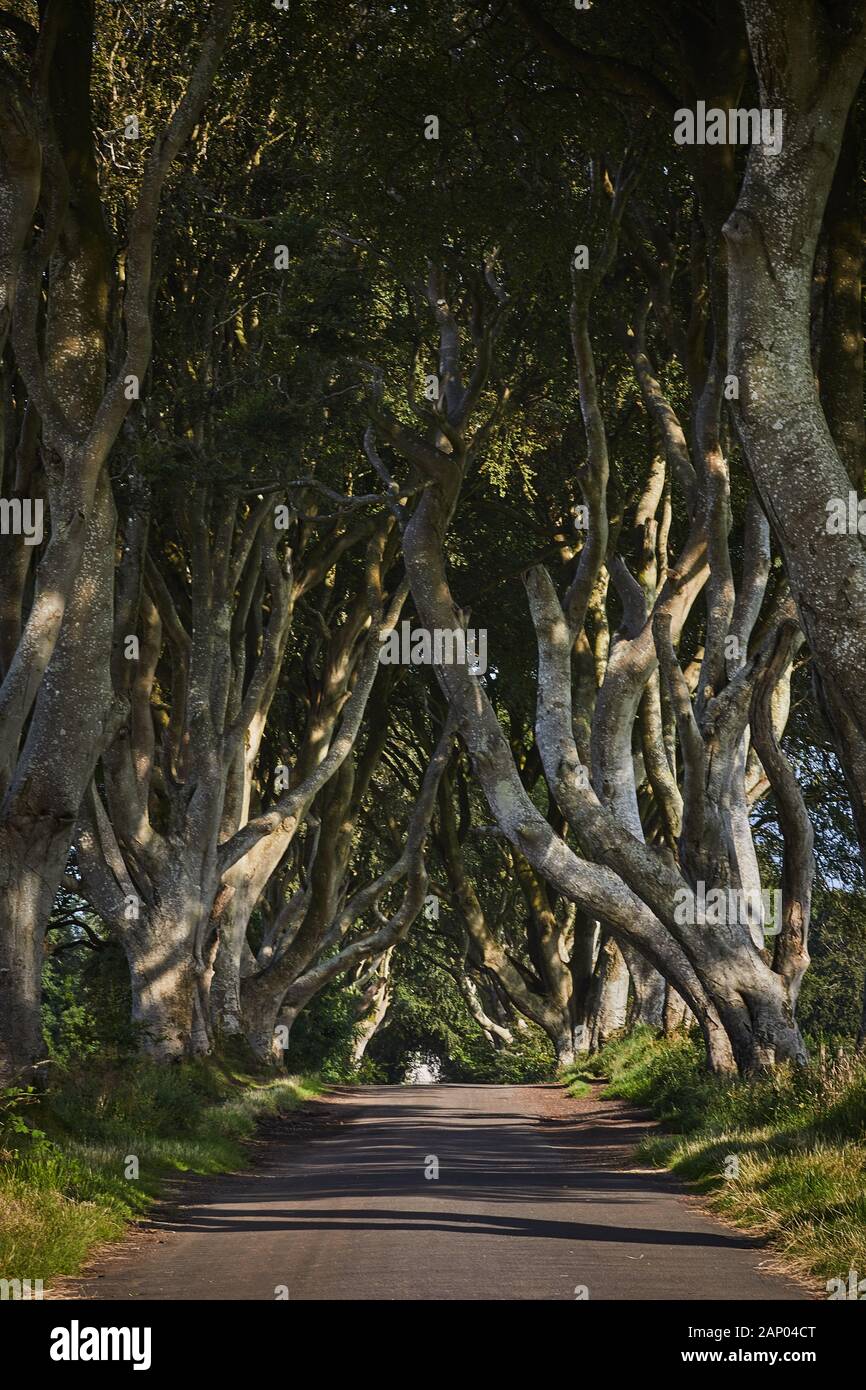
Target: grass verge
80,1161
783,1156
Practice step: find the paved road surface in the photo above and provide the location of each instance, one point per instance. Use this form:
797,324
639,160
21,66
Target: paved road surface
536,1195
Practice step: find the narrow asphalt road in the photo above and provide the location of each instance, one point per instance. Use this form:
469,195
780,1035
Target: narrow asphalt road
536,1198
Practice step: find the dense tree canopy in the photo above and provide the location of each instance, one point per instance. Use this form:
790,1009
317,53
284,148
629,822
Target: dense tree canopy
332,332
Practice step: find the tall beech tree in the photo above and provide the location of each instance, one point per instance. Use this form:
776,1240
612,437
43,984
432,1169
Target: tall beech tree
722,974
78,364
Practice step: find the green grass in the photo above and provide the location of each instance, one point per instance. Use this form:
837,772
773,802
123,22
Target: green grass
64,1155
783,1156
